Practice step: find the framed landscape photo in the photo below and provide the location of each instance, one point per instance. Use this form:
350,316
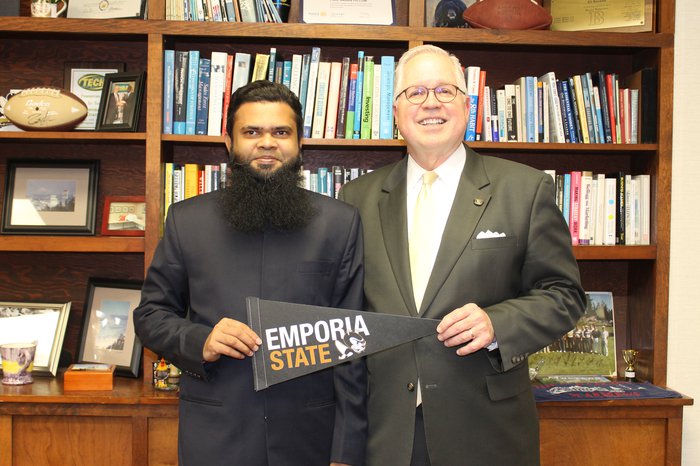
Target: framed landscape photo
108,335
50,197
120,103
44,323
85,79
124,216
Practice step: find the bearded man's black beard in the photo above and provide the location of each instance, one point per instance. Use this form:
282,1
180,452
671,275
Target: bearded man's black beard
253,201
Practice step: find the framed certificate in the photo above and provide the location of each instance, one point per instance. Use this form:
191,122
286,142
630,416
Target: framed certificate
377,12
86,80
102,9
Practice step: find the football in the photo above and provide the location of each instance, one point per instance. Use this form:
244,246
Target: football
507,14
45,109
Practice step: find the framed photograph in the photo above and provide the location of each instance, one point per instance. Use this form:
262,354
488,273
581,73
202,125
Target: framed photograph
120,103
105,9
44,323
50,197
85,79
124,216
108,335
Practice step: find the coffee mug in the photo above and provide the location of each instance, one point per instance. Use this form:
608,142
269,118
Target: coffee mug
48,8
17,362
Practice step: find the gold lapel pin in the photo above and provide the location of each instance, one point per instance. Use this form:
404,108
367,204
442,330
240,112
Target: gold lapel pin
478,202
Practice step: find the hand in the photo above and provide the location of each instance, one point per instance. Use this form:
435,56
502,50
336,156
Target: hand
468,324
230,338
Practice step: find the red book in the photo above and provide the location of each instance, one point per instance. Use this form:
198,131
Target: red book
227,92
610,88
480,107
575,207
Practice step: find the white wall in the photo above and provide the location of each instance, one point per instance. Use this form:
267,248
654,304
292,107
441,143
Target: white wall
684,305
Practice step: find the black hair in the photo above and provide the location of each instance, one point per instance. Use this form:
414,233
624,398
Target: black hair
264,91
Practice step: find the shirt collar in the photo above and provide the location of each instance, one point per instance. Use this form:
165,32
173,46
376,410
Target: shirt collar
449,171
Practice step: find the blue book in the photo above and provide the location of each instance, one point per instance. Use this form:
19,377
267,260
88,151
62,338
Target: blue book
576,120
471,76
287,73
311,90
530,107
386,99
202,118
272,65
323,187
357,122
304,80
569,109
180,92
352,93
589,109
192,87
168,89
540,111
567,197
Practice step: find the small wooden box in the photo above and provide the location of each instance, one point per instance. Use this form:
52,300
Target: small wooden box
89,377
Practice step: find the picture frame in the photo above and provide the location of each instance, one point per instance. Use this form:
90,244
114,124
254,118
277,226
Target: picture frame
47,197
107,335
86,79
124,216
106,10
120,103
44,323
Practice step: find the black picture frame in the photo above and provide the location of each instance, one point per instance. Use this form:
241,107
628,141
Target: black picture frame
120,103
107,335
45,197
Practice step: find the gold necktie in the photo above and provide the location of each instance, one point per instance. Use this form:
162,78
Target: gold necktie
421,236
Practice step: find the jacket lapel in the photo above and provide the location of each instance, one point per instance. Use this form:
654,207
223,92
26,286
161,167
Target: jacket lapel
472,198
392,215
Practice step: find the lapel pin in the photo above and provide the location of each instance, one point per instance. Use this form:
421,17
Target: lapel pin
478,202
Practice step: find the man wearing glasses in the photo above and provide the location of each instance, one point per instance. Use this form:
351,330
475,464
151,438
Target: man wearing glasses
478,243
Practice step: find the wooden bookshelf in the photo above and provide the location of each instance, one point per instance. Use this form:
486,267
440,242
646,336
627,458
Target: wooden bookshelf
54,269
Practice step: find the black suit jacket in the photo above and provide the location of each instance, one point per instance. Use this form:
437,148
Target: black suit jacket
203,271
478,409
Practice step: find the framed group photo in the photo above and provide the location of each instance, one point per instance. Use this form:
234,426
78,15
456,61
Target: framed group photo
120,103
50,197
124,216
108,335
44,323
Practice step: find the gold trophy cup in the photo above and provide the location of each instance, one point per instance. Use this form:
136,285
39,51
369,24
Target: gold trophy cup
630,357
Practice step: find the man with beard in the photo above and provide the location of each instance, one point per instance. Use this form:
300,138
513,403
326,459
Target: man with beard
262,235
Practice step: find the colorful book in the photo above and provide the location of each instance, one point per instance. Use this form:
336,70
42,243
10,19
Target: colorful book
333,99
471,74
180,92
357,123
367,90
318,124
386,107
343,99
168,90
202,97
309,107
352,95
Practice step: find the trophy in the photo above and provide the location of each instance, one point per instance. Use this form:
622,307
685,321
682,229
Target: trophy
630,357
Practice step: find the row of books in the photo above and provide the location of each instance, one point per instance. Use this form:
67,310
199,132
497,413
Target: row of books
250,11
182,181
605,209
590,108
339,99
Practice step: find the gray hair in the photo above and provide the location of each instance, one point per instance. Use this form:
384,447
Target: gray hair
427,49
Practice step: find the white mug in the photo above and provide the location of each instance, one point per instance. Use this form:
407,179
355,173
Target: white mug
47,9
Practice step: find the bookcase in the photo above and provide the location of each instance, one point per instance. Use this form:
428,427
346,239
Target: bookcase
57,268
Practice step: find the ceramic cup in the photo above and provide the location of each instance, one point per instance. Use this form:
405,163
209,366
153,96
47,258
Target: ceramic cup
48,9
17,363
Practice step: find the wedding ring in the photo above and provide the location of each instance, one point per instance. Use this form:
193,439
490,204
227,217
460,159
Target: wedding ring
471,334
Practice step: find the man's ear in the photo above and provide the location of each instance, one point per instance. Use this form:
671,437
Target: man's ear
227,141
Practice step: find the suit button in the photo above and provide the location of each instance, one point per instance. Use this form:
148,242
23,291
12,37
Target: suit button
410,386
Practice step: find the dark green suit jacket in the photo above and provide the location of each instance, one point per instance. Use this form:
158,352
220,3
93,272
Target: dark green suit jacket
478,409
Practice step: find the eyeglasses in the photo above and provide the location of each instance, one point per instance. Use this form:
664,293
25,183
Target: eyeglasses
444,93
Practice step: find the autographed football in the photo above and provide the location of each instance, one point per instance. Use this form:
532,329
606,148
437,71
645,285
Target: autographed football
507,14
45,109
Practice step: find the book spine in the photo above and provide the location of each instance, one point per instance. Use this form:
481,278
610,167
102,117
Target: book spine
180,91
357,122
569,109
333,99
574,208
168,90
296,74
309,107
352,95
304,81
367,89
241,71
386,98
321,104
472,79
228,80
287,73
343,99
203,97
376,99
480,107
217,78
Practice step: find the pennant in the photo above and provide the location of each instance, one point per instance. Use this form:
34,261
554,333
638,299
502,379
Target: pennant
299,339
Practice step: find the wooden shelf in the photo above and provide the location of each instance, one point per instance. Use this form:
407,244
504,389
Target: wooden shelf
21,243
